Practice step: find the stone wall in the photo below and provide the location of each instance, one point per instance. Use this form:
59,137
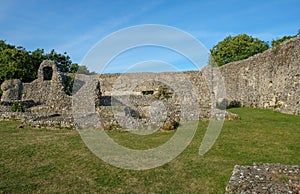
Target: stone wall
267,80
185,88
48,95
12,90
154,99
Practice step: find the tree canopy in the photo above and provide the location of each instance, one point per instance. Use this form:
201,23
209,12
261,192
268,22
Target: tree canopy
18,63
237,48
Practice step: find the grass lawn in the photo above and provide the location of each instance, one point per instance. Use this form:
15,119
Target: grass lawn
57,161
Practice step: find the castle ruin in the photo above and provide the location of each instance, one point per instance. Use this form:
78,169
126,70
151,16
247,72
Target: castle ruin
269,80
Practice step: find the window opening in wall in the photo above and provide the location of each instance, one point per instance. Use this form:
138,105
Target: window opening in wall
148,92
48,72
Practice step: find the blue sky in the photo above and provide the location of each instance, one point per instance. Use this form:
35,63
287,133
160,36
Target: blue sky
76,26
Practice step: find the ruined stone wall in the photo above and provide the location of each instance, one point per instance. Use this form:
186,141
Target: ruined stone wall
47,96
184,88
50,94
267,80
132,100
12,90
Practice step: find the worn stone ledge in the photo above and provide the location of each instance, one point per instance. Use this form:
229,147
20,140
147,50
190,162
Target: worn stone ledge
39,120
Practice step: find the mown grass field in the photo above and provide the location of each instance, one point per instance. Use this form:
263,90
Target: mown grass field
57,161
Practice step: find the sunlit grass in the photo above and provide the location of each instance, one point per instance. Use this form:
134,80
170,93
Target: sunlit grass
57,161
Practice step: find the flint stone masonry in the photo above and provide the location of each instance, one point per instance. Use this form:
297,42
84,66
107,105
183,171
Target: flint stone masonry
12,90
86,97
265,178
268,80
39,120
155,99
49,93
48,96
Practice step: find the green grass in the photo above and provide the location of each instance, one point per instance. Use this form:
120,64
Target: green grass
57,161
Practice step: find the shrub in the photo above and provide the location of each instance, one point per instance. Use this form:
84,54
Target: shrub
17,107
164,93
280,40
237,48
68,83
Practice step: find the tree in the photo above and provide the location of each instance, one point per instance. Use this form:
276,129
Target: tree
84,70
74,68
237,48
276,42
17,63
62,61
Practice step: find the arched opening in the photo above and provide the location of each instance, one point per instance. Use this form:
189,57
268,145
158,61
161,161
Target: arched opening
48,72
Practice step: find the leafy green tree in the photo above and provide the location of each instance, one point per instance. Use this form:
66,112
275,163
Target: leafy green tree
17,63
62,61
74,68
237,48
3,45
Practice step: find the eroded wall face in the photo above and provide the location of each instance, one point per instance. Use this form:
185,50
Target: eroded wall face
267,80
12,90
46,92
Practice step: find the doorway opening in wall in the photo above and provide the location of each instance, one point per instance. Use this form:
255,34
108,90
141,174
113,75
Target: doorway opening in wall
48,72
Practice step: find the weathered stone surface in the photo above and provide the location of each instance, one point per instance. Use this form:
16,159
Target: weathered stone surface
49,93
265,178
267,80
153,100
11,90
39,120
86,94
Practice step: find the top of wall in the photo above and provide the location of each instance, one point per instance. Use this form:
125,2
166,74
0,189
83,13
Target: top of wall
286,45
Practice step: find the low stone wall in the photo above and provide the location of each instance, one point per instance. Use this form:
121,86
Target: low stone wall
264,178
12,90
39,120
